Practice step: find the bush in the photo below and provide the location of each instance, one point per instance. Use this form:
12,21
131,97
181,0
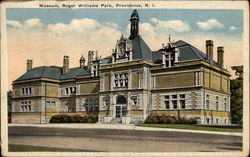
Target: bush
163,119
63,118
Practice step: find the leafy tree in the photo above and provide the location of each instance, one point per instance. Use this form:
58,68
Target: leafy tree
9,99
236,89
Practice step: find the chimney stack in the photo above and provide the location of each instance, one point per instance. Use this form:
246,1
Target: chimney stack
220,56
90,58
65,64
82,62
209,50
29,65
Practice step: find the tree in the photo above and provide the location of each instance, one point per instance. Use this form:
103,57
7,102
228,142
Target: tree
9,104
236,89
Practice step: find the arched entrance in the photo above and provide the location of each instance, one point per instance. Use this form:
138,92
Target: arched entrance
121,106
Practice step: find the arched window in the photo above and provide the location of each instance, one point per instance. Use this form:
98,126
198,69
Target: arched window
121,99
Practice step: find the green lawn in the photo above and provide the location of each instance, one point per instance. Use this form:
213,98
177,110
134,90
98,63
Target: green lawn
196,127
25,148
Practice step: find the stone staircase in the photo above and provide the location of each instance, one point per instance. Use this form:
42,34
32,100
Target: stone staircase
116,121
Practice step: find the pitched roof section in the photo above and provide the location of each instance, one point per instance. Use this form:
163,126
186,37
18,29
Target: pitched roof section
74,72
106,60
187,52
52,72
140,49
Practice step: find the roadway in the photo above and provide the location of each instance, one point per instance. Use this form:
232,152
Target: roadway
115,140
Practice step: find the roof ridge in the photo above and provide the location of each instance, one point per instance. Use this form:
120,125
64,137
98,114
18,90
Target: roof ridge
43,70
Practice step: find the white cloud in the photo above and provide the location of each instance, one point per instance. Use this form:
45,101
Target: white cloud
35,22
210,24
232,28
171,25
14,23
59,27
76,25
112,24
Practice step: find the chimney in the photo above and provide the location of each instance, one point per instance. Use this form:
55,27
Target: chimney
90,58
29,65
82,62
209,50
220,56
65,64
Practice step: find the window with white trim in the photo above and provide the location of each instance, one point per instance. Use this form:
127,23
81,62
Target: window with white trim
167,101
197,78
173,100
225,104
121,80
70,90
91,105
169,61
217,102
50,103
26,106
207,102
26,91
95,69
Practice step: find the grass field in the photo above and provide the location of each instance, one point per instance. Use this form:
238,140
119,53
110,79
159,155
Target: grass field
196,127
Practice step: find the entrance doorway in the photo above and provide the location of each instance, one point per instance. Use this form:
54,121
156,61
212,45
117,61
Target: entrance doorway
120,111
121,106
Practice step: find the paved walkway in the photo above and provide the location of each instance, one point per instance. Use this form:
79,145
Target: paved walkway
123,127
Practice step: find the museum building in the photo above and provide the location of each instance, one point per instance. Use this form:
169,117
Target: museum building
129,85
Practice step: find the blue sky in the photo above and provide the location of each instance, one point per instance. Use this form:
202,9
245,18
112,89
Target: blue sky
46,35
228,18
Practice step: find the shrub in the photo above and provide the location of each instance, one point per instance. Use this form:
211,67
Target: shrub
63,118
163,119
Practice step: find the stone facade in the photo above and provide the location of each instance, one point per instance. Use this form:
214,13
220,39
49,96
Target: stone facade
131,84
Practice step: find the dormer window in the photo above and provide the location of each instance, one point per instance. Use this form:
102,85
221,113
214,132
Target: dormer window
169,62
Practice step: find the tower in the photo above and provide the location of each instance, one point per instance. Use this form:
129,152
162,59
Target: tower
134,28
82,62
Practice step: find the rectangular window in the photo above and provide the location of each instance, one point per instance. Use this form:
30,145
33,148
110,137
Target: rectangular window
29,107
166,96
121,80
96,108
174,102
197,78
225,104
182,102
29,90
67,91
217,102
116,83
207,104
48,103
174,96
26,91
167,104
53,103
182,95
71,90
26,108
22,107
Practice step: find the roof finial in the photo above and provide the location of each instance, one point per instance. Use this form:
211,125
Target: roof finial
169,39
